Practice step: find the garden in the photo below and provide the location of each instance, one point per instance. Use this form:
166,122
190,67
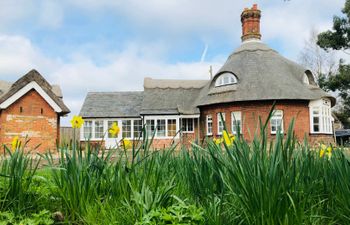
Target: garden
222,181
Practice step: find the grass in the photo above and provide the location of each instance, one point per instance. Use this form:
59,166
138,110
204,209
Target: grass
263,182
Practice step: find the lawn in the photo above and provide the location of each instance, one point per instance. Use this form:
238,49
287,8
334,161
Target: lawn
227,182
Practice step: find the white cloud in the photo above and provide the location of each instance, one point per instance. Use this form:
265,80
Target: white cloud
125,71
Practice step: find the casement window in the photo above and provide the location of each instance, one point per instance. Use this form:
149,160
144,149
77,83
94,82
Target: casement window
236,122
99,129
137,128
150,127
320,116
160,128
187,125
126,128
225,79
209,125
87,128
171,127
110,124
220,122
276,121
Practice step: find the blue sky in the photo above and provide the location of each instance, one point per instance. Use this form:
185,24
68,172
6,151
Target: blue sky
100,45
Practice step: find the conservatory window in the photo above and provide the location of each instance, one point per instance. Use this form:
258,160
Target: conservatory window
126,128
276,121
88,129
171,127
161,128
110,124
187,125
225,79
137,128
320,116
150,127
220,122
209,125
99,129
236,118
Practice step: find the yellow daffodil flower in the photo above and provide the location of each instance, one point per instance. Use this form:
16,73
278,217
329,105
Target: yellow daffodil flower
329,152
114,130
322,151
217,141
323,146
226,138
77,121
127,144
14,143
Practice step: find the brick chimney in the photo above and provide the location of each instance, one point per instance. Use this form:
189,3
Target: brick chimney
250,19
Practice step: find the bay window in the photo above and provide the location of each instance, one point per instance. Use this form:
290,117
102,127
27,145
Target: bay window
320,116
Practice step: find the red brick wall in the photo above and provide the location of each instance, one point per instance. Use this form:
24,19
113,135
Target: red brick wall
41,128
251,112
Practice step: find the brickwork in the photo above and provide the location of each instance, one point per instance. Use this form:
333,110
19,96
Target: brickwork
251,111
32,117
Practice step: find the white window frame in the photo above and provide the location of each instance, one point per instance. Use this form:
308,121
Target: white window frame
219,121
276,115
101,125
186,130
209,120
166,118
225,79
325,120
236,119
91,131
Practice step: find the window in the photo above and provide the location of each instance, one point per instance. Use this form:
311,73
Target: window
99,129
160,128
276,121
110,123
126,128
87,129
171,127
150,127
21,109
320,116
220,122
225,79
137,128
41,111
236,122
187,125
209,125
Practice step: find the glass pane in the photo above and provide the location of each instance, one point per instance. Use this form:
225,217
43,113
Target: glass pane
126,128
171,127
88,129
99,129
150,127
137,128
161,128
110,124
316,128
189,124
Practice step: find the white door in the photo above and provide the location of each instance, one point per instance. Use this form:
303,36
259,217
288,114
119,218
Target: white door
112,141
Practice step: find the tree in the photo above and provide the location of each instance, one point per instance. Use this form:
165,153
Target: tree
339,39
319,61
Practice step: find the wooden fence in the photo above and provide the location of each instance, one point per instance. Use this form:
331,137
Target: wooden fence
67,134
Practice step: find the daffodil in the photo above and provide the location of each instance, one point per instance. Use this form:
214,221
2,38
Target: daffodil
127,144
217,141
329,152
77,121
226,138
114,130
14,143
322,151
323,146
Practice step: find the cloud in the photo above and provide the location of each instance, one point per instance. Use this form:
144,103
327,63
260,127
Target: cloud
124,71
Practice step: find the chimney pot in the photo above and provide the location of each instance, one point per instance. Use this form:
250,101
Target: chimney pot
250,19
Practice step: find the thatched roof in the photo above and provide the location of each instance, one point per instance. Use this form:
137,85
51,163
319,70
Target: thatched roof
54,92
262,74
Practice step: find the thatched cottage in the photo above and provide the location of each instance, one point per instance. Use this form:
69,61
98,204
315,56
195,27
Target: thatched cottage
253,77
